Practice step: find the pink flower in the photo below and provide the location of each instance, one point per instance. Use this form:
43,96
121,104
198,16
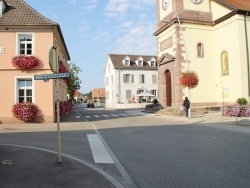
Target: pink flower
25,62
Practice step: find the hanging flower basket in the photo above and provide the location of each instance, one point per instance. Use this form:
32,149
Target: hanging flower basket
25,62
25,111
189,79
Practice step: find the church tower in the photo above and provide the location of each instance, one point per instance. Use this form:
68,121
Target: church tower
208,37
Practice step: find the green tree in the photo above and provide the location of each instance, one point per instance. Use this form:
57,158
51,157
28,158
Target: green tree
89,95
75,83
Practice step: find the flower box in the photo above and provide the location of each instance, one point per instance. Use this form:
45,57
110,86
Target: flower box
25,111
25,62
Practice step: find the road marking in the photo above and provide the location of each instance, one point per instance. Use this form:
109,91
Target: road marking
132,114
113,115
123,114
99,152
96,116
78,117
87,116
105,115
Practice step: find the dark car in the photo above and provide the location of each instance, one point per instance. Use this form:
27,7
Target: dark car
90,105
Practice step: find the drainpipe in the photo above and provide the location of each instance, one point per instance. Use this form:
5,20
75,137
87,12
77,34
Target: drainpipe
248,59
119,86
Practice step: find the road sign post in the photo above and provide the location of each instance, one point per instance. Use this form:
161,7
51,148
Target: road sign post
54,65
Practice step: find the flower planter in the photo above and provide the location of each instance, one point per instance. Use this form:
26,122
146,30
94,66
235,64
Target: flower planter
25,111
189,79
25,62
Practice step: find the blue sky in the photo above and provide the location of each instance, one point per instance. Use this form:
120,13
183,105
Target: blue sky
92,29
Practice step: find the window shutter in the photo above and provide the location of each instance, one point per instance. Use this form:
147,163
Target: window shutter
124,78
132,78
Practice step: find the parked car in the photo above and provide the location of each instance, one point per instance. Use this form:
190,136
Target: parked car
90,105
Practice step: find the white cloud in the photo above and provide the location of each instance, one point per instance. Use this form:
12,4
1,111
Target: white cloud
89,7
139,40
102,36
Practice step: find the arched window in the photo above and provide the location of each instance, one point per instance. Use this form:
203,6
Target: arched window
200,50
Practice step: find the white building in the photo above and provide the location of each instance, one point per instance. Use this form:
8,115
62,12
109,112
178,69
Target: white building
128,75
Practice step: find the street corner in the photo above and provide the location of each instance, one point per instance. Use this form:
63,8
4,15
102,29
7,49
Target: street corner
22,167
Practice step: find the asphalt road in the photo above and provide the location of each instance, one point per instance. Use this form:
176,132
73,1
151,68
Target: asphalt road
153,151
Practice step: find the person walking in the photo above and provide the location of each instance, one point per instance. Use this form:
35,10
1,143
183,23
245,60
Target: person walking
186,105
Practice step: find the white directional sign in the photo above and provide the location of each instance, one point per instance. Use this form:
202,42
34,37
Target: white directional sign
52,76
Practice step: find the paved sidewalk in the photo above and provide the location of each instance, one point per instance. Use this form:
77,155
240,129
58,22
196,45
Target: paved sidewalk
24,167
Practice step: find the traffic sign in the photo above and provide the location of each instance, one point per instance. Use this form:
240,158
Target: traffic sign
52,76
53,58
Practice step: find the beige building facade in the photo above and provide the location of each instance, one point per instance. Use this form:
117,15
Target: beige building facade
29,34
210,37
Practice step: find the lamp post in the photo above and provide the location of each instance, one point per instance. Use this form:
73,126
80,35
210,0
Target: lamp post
187,63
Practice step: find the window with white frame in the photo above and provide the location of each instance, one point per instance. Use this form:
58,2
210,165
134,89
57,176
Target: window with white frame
154,79
127,63
153,92
24,90
128,78
152,63
128,94
140,63
141,78
25,44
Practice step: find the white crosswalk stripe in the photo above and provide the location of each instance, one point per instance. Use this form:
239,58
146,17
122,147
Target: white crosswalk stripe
114,115
123,114
105,115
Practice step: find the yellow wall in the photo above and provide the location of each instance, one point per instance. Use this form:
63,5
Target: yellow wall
218,10
204,6
164,13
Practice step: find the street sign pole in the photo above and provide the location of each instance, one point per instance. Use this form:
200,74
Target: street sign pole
58,111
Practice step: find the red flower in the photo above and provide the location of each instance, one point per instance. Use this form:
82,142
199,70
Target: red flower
25,62
189,79
25,111
62,68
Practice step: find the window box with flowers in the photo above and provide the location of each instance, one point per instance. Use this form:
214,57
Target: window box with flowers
189,79
25,111
25,62
63,69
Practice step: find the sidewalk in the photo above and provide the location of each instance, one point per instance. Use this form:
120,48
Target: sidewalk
25,167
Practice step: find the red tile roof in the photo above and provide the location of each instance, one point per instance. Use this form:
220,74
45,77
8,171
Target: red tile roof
17,12
237,4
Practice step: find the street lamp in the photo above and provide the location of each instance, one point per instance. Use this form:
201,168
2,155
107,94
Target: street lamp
187,63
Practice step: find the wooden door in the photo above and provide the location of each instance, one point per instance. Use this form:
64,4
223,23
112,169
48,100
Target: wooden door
168,89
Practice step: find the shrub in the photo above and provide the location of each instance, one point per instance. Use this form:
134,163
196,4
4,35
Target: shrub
25,111
65,107
241,101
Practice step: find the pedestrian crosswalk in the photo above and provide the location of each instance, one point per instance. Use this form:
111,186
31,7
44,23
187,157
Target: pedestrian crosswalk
112,115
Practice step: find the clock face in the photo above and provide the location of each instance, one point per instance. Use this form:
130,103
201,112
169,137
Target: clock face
196,1
165,4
